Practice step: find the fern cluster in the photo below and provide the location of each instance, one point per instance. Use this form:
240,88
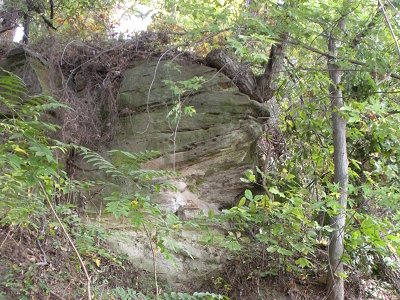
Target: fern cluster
123,164
130,294
28,165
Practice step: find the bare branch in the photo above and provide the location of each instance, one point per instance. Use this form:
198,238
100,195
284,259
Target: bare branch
390,26
51,2
8,28
71,242
330,56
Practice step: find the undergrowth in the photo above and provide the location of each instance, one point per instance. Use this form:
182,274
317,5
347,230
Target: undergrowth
47,250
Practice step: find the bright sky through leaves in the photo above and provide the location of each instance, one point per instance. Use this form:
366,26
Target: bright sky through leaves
127,22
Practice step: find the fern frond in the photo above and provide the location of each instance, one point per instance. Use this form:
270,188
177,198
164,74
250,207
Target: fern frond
132,161
147,175
42,104
15,101
100,162
195,296
11,82
133,295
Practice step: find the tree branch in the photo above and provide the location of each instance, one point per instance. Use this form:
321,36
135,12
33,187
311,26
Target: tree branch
357,39
330,56
241,76
389,25
8,28
51,2
260,90
266,86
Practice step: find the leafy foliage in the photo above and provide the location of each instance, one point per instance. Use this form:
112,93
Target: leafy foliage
31,180
280,223
299,196
85,19
180,91
288,219
132,295
27,156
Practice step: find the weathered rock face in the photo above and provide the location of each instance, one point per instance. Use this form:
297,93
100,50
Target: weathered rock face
37,77
210,149
187,265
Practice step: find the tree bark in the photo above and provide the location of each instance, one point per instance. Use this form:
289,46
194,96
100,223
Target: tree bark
26,24
335,282
266,87
241,76
261,89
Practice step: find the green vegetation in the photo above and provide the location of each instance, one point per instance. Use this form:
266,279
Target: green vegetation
325,195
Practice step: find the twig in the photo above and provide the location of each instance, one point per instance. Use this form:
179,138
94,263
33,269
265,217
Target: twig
153,251
151,86
174,141
330,56
57,296
389,25
63,53
5,239
43,262
35,55
70,241
73,72
51,2
8,28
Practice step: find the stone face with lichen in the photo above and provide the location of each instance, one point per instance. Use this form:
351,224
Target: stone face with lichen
212,148
36,75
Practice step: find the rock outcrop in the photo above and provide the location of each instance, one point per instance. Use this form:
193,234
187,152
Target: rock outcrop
210,149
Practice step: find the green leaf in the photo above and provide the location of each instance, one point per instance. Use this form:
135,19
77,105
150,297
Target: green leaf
250,176
284,251
274,190
303,262
249,195
272,249
242,202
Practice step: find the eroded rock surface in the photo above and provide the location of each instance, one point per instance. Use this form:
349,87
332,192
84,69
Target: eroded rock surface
210,149
188,264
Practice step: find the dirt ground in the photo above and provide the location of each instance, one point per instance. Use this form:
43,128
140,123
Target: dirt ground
45,267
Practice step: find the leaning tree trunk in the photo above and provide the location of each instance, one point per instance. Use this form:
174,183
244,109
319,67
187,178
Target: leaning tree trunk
266,87
241,75
336,246
261,89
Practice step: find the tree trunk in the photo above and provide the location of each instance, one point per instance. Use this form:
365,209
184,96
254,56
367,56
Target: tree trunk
26,23
261,89
242,76
336,247
266,86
